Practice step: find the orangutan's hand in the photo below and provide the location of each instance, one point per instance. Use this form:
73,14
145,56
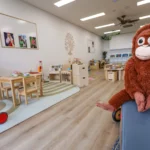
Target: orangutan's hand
140,101
147,103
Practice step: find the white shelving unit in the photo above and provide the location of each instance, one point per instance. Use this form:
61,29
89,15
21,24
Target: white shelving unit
121,52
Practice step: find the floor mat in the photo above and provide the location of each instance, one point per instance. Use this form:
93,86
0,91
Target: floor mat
53,93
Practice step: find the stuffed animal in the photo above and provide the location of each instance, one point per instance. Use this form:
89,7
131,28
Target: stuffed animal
137,75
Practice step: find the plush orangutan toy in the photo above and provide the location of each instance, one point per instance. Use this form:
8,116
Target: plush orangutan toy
137,75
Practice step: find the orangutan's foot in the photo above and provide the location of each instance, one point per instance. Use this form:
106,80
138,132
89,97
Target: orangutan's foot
106,106
140,101
147,103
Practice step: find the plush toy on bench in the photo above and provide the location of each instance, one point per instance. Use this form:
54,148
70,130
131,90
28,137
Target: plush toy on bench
137,75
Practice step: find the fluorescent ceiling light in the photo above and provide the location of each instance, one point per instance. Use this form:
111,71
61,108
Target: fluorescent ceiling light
112,31
63,2
145,17
21,21
92,17
107,25
143,2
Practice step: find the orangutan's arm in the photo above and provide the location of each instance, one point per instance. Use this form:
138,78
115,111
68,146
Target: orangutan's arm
131,83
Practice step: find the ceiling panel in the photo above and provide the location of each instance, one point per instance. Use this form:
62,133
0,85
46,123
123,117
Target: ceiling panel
74,11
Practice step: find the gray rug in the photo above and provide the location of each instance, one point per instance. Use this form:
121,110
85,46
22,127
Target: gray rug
52,88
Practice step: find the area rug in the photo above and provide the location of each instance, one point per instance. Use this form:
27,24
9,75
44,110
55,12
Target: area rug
117,145
53,93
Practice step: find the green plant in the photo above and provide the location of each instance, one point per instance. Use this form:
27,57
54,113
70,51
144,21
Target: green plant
104,55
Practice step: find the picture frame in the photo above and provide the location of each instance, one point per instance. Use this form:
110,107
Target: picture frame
91,46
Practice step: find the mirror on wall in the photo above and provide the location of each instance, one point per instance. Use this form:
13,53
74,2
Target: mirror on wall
17,33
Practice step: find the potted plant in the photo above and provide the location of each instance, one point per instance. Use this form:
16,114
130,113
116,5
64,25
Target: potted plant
104,55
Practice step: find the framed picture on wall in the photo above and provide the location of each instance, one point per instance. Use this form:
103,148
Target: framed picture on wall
9,39
118,55
23,41
91,46
33,43
125,55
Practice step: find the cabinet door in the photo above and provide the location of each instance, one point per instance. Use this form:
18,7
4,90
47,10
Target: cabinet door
83,69
85,80
77,81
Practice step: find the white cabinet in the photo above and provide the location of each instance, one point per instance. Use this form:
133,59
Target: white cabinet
80,75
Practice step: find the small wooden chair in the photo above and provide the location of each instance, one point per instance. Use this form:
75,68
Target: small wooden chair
66,75
6,89
30,87
39,82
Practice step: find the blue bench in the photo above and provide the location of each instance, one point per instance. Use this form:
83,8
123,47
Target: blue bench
135,130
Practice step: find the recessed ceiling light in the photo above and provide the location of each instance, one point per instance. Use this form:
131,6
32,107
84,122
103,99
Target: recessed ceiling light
111,31
107,25
145,17
143,2
63,2
93,16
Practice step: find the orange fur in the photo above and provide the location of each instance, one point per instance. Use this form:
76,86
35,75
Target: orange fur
137,74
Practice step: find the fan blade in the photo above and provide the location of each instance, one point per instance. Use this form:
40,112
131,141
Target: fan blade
127,26
131,21
120,19
118,24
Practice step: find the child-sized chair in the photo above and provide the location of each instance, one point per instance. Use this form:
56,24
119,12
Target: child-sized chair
6,89
30,87
66,73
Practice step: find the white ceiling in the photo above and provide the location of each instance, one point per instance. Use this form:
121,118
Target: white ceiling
74,11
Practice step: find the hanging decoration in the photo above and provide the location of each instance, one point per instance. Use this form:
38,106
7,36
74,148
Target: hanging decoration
69,44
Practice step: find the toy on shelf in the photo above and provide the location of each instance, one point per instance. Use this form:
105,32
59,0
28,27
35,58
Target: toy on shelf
77,61
94,64
56,68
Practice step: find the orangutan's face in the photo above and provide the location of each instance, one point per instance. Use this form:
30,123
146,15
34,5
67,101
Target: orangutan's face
142,51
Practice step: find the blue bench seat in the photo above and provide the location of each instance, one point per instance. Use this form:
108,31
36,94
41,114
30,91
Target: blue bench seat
135,128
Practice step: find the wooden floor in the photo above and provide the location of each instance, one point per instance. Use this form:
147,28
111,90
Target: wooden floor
73,124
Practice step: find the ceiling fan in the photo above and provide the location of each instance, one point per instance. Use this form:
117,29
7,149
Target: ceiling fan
126,22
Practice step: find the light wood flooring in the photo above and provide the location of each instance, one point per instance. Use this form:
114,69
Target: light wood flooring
73,124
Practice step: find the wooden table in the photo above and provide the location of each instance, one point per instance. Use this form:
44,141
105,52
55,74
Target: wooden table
13,80
119,70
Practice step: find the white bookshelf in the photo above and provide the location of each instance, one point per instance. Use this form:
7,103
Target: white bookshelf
121,52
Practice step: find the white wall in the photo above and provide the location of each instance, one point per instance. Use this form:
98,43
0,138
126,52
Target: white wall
105,45
51,38
119,44
121,41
